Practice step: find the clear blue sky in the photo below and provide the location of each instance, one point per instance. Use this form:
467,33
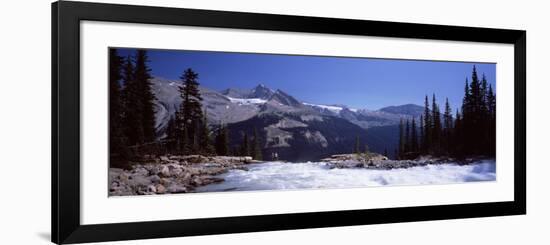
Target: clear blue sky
355,82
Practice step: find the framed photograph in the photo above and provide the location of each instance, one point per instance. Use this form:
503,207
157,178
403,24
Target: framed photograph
176,122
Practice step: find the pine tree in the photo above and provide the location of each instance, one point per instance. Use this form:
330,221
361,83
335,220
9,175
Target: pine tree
477,128
458,137
225,139
245,147
447,117
171,135
436,127
401,146
471,132
236,151
367,149
128,71
474,119
465,116
185,144
414,137
357,143
427,126
194,140
178,135
256,148
146,96
204,137
132,116
485,116
218,141
448,127
115,103
475,91
407,137
485,107
490,122
466,99
190,111
491,104
222,141
118,151
422,150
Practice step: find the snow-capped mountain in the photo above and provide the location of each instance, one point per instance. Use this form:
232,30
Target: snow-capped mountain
259,92
408,109
368,118
296,130
219,108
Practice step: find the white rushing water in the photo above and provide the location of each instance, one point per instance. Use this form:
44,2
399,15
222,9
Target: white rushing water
280,176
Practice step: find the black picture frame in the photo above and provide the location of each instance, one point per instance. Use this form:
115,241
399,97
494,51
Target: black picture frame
66,18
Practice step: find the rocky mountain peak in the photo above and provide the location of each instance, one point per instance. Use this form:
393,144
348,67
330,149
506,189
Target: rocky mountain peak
261,92
285,99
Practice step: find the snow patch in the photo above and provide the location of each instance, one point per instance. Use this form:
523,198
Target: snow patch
335,109
247,101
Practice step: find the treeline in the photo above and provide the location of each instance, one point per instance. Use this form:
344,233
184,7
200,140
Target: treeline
357,148
132,117
131,105
472,131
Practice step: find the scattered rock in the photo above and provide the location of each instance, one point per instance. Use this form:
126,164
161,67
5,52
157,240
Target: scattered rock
138,180
154,178
361,157
165,181
151,188
177,189
124,176
186,176
210,180
165,171
377,161
172,174
197,181
160,189
140,171
114,185
176,172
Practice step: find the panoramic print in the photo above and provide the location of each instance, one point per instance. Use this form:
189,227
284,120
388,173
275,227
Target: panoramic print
202,121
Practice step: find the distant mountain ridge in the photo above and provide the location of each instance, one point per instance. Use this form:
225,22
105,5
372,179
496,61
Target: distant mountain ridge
296,130
408,109
260,91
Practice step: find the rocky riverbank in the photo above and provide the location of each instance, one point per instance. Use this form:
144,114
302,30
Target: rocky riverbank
171,174
377,161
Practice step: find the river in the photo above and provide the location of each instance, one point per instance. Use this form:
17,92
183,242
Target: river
307,175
